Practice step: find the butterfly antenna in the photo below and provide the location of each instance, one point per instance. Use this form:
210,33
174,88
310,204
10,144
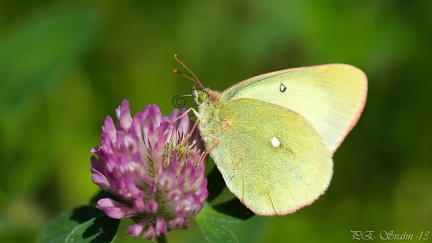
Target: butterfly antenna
194,79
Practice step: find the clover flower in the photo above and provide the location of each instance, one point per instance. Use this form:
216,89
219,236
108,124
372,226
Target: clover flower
156,173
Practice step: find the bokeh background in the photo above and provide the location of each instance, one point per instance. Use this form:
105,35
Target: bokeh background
65,65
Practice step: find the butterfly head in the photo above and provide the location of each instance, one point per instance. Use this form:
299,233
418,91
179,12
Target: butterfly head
199,95
205,95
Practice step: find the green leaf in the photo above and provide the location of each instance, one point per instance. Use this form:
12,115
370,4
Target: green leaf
213,230
83,224
209,222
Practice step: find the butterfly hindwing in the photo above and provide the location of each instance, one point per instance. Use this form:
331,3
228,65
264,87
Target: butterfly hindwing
270,157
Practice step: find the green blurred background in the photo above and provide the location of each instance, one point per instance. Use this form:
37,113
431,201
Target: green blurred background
65,65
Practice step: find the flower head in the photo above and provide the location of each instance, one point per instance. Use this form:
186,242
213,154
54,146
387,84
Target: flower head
157,174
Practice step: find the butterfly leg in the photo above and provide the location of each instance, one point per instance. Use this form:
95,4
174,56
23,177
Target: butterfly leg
211,148
194,126
187,111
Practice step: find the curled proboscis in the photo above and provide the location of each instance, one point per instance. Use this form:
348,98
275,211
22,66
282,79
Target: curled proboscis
178,101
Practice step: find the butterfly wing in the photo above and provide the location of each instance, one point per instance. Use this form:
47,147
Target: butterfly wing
271,158
331,97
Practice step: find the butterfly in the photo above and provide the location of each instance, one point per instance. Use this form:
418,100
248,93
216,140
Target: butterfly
273,136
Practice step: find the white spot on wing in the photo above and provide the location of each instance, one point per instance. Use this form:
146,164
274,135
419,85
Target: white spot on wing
275,142
282,88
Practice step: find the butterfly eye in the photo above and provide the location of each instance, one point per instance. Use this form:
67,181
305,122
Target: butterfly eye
202,96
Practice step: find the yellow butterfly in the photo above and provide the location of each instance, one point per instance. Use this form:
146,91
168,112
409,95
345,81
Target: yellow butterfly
272,136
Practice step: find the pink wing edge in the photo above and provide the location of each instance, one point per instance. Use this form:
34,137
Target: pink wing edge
357,115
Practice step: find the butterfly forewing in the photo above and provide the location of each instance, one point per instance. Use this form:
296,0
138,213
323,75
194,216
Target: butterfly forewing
331,97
